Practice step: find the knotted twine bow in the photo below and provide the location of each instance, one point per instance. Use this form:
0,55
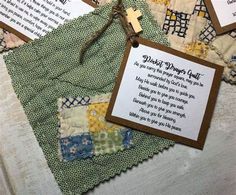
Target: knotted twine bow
118,11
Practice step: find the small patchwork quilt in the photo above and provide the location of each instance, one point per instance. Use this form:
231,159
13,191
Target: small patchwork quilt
53,62
84,132
189,29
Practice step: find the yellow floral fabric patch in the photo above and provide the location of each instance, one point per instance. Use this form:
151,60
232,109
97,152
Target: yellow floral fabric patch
96,118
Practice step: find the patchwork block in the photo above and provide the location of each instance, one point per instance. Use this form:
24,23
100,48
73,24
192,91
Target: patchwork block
176,23
201,10
225,45
84,132
208,34
177,43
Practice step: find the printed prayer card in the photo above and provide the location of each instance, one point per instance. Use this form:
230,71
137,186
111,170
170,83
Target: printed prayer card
165,92
223,14
31,19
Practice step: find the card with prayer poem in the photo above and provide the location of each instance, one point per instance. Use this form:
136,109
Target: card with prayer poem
223,14
30,20
165,92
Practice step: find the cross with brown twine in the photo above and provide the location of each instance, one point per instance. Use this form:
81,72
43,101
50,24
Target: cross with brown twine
132,18
118,11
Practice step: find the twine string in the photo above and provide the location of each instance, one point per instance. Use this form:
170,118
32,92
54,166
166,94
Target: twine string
118,11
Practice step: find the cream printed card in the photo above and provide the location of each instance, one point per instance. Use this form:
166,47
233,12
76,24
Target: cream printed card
166,93
31,19
223,14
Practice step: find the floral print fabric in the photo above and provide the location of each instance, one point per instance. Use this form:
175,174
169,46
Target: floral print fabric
80,146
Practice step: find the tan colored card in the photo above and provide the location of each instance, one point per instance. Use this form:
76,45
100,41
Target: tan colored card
223,14
166,93
32,19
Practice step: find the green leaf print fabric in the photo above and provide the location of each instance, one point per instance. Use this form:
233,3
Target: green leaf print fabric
46,69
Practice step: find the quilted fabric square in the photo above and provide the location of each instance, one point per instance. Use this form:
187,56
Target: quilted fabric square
80,146
53,62
85,116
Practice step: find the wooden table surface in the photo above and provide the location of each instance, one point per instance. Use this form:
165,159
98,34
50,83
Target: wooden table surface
180,170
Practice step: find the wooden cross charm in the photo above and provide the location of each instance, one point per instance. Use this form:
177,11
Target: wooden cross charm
132,18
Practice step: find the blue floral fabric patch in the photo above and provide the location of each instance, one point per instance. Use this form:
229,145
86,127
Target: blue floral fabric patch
80,146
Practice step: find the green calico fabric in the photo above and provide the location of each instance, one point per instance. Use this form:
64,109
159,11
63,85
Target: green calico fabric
46,69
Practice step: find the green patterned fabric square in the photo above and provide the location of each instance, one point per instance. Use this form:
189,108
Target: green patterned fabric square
107,142
48,68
